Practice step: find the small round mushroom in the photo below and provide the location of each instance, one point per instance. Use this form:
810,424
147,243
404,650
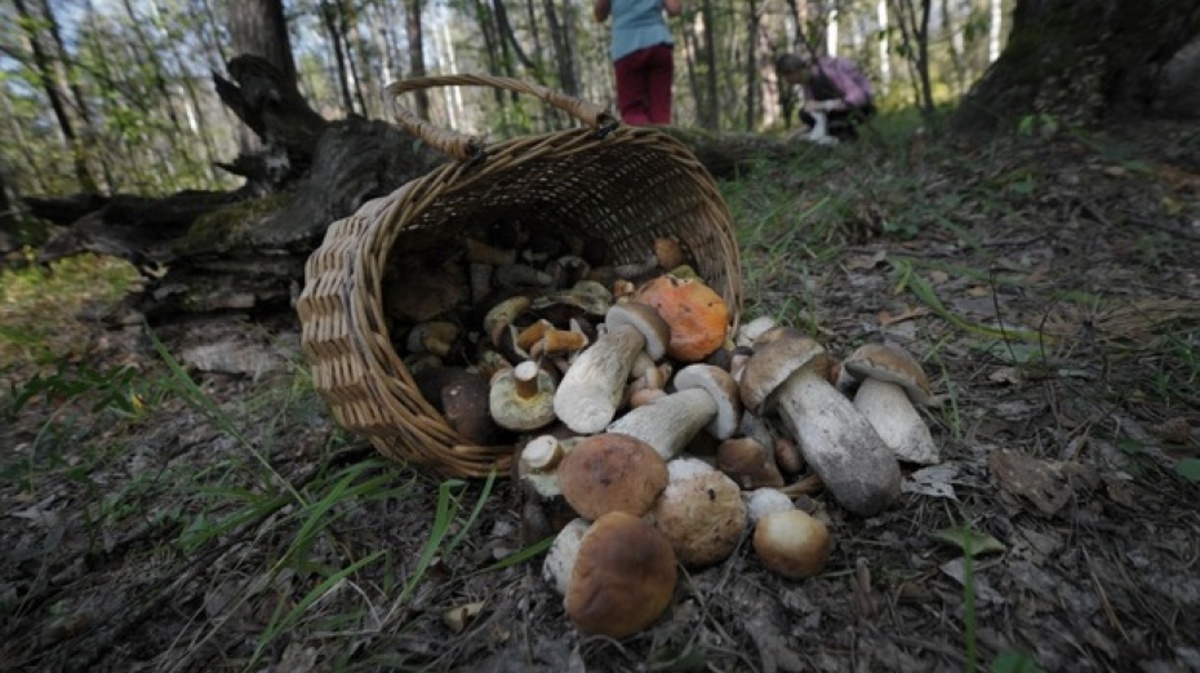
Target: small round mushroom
792,543
706,396
611,472
789,376
762,501
619,574
593,387
892,382
701,512
522,398
748,463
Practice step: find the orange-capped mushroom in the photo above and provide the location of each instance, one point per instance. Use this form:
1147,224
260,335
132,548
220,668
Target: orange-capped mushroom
697,315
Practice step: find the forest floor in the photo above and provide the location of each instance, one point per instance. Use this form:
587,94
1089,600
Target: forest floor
154,517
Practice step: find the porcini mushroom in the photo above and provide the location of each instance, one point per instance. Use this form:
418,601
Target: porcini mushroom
617,576
892,382
788,376
792,543
705,396
609,472
591,391
522,398
700,512
748,463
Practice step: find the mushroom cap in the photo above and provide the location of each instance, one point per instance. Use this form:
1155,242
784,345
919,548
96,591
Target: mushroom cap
773,364
702,514
623,578
748,463
698,316
646,320
724,390
891,363
792,543
512,411
611,472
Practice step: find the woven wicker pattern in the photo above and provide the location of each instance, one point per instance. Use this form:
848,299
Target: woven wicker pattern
627,187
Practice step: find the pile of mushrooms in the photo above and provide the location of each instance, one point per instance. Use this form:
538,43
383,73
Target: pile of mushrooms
648,435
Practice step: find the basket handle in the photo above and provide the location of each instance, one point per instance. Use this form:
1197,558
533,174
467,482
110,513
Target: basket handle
465,147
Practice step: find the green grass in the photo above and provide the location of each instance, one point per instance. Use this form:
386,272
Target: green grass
38,305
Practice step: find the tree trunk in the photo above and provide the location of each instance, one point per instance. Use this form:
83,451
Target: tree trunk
332,26
711,117
54,90
258,27
1083,62
416,53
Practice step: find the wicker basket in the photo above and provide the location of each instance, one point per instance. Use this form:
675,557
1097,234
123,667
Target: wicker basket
625,185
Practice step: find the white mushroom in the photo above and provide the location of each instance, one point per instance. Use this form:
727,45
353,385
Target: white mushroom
789,375
591,391
705,396
892,381
522,398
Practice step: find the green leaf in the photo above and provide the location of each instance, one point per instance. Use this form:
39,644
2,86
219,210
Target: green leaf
970,542
1011,661
1189,468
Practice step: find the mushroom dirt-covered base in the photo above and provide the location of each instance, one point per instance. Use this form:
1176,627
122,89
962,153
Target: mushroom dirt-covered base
158,542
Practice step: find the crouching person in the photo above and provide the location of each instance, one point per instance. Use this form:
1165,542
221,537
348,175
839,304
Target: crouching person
837,95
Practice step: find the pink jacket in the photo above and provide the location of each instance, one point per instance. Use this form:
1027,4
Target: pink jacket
844,76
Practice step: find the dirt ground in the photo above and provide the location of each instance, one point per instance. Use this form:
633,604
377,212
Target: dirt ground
149,536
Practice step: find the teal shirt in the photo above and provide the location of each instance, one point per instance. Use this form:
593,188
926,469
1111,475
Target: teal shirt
637,24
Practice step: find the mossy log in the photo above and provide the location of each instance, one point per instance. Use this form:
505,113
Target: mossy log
245,250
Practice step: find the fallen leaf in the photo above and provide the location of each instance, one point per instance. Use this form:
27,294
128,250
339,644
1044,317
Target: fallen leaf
977,291
969,541
886,318
933,481
956,568
937,277
457,618
1049,485
1009,375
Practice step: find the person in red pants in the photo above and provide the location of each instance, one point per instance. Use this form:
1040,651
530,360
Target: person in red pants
643,56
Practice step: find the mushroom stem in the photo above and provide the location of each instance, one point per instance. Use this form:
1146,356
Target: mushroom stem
669,423
705,396
591,390
887,407
839,443
525,379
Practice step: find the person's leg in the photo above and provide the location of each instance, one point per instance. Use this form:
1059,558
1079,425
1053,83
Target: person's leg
660,73
632,96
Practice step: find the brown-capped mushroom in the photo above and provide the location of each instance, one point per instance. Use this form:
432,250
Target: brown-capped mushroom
617,575
792,543
892,382
433,336
789,376
593,388
748,463
706,396
700,512
609,472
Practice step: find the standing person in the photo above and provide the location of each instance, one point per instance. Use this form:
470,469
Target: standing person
643,56
837,95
